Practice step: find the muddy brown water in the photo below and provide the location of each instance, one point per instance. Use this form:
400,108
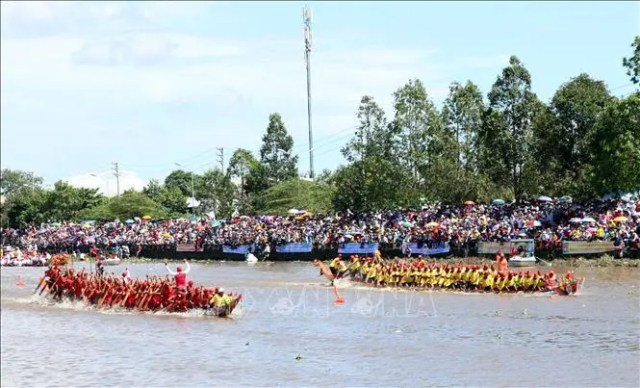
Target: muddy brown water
289,332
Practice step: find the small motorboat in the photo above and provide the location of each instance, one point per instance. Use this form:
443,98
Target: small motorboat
115,260
522,261
251,258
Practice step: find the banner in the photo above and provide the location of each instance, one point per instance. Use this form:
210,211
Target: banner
357,248
294,248
239,249
433,248
586,247
189,247
492,247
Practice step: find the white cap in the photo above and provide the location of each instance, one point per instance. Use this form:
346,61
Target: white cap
220,289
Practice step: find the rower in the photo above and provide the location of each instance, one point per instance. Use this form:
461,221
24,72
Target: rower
219,299
180,276
126,276
502,262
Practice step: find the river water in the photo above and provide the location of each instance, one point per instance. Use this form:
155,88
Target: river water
289,332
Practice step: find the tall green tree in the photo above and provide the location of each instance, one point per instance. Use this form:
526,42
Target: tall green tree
452,172
416,121
385,185
217,193
173,200
240,166
374,135
153,189
615,144
506,134
562,136
462,116
276,151
181,180
633,63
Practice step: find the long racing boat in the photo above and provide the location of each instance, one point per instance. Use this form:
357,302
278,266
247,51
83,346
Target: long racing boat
418,274
153,294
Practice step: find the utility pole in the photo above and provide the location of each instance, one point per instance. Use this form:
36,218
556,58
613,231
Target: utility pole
221,158
274,147
116,173
306,17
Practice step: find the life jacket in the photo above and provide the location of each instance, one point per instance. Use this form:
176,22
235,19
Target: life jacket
181,279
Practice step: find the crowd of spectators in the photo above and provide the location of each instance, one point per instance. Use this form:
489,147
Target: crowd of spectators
548,222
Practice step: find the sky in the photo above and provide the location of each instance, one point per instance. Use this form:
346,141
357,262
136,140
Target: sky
149,85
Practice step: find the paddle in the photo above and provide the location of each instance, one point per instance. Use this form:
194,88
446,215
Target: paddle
39,284
545,262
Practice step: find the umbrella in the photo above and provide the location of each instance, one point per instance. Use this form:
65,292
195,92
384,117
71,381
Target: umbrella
146,218
432,224
575,220
407,224
544,198
566,199
498,201
588,219
620,219
129,221
292,211
469,203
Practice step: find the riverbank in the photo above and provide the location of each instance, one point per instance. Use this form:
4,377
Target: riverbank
604,261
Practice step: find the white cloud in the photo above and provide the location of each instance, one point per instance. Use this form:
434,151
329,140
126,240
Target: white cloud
106,183
140,78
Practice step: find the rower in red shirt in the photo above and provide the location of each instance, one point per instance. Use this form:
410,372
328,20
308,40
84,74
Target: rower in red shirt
180,276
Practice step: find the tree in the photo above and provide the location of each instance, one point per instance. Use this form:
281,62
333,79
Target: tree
218,193
240,166
506,133
299,194
65,202
385,185
615,144
462,116
21,210
153,189
11,181
416,122
633,63
275,153
133,204
374,136
182,180
562,132
453,168
173,200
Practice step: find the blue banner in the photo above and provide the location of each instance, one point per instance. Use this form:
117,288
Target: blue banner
358,248
434,248
240,249
294,248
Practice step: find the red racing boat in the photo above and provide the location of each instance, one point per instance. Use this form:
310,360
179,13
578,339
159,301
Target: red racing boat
155,294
